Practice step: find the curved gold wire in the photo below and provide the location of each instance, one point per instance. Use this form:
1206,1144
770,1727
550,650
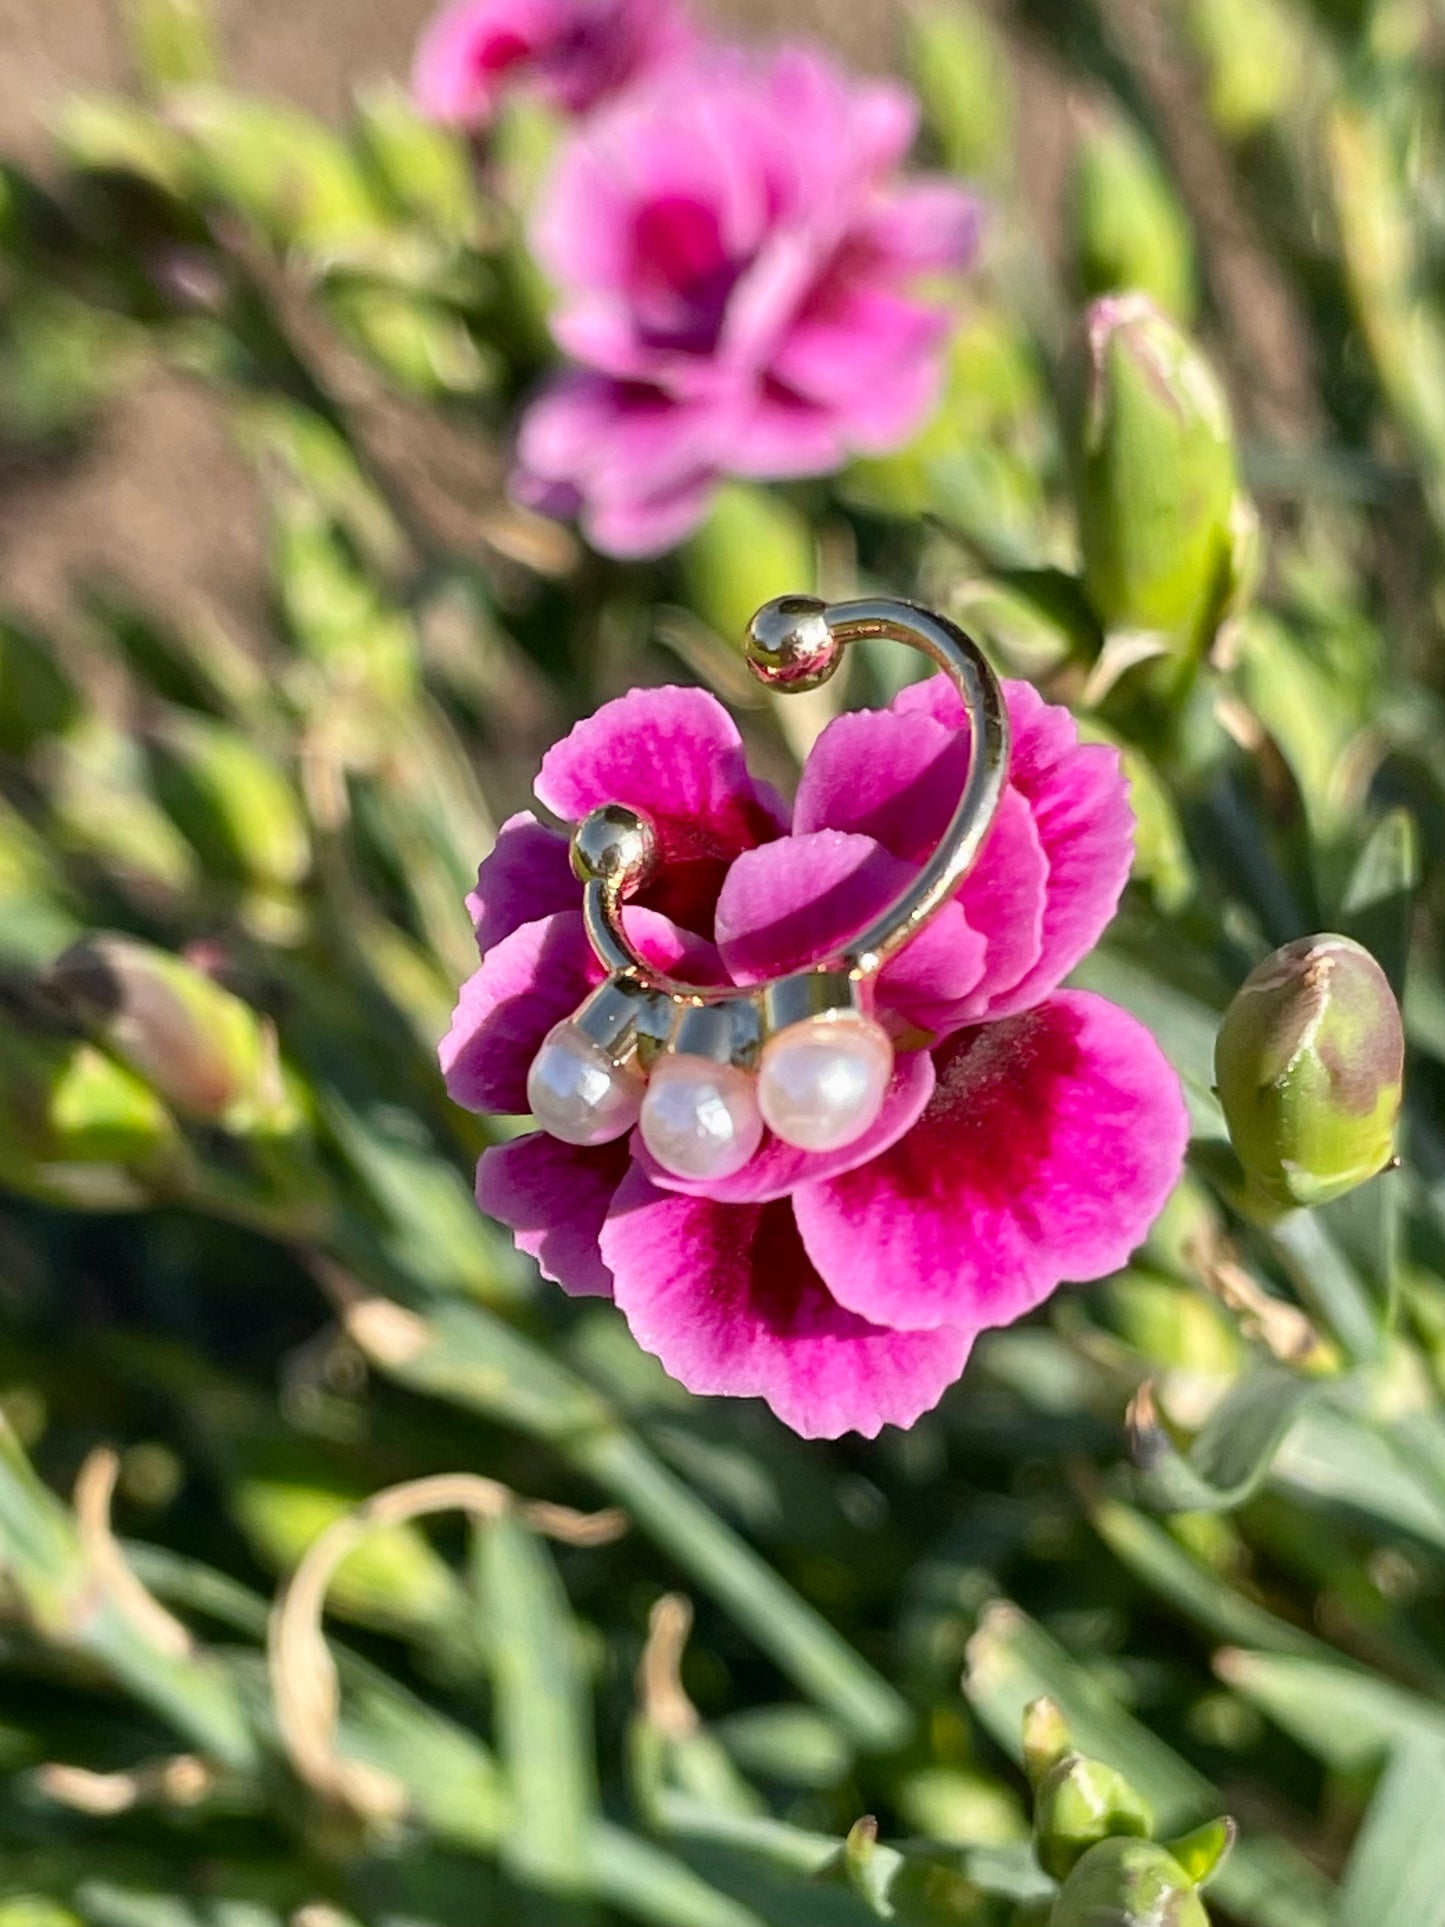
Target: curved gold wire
796,643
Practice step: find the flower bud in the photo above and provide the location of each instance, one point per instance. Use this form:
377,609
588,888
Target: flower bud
1163,527
65,1105
1252,52
1078,1803
37,698
202,1049
1129,229
172,41
1047,1739
230,801
959,63
1128,1883
1309,1062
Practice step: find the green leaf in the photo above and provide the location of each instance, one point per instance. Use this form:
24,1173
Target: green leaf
1373,1470
1343,1715
1195,1590
1379,898
1231,1456
544,1735
1396,1872
649,1885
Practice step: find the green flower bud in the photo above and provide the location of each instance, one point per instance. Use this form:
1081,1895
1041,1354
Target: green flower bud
1129,230
291,176
75,1126
1080,1802
230,801
422,169
1047,1739
1128,1883
1309,1063
959,64
1252,52
205,1051
37,698
1164,531
173,42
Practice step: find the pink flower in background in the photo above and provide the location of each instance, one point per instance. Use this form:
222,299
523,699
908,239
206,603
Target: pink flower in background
738,259
573,53
1030,1134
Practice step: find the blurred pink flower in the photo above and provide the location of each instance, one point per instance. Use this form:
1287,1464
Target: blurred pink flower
738,258
1030,1134
574,53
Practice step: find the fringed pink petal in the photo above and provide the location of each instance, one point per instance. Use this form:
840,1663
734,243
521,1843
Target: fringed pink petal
726,1298
676,755
1049,1147
527,876
553,1198
899,778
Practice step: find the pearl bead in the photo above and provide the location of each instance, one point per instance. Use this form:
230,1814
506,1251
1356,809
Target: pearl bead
576,1092
821,1083
700,1119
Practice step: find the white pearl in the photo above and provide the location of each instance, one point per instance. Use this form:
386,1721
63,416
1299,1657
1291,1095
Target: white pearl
576,1092
821,1083
700,1119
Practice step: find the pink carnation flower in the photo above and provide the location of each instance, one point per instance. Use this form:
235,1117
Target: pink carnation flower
737,257
1030,1134
574,53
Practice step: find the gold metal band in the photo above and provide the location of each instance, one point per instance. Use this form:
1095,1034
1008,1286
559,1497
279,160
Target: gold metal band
794,643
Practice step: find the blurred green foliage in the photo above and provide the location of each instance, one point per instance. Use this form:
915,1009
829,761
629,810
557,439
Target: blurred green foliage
243,1286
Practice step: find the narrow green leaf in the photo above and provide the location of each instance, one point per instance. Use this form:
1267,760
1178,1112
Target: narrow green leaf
1231,1457
1194,1591
785,1626
1373,1470
543,1719
1396,1873
1379,898
1344,1716
647,1884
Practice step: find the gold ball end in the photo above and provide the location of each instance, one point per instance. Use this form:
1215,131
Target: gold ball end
790,644
616,845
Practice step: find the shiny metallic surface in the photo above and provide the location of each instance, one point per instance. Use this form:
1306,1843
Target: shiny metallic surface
808,994
794,643
614,844
725,1033
963,662
611,1014
602,914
